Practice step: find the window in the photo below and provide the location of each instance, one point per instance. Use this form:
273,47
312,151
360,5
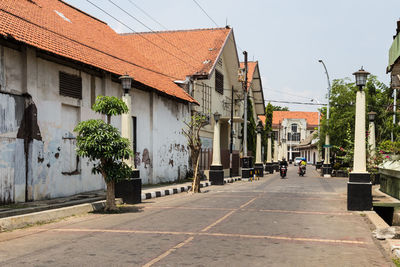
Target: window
294,128
70,85
219,82
206,100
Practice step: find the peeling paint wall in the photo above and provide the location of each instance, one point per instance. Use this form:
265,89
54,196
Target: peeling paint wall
37,141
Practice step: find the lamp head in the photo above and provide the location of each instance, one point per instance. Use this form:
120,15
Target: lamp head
361,77
371,116
126,82
217,116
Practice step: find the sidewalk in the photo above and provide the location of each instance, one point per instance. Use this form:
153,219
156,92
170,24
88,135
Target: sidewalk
19,215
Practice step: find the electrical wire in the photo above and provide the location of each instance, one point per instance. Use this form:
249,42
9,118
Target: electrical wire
156,33
202,9
148,15
88,46
292,102
122,23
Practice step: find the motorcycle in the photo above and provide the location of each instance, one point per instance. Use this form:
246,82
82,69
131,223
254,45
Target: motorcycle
283,171
302,170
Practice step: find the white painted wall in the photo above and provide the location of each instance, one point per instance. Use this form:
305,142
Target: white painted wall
159,119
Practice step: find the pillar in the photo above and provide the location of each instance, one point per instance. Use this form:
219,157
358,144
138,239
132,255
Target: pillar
126,123
276,155
326,167
216,176
359,195
269,166
258,165
371,139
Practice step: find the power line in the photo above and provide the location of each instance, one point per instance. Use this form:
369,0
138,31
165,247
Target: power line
292,102
288,93
119,21
148,15
88,46
205,13
150,29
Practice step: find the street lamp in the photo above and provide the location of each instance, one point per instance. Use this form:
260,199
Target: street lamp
371,136
258,165
216,174
359,196
126,82
126,119
361,78
371,116
326,168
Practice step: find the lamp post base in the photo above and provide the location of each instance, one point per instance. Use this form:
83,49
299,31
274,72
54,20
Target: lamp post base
216,175
247,167
259,169
326,170
130,190
276,166
359,192
269,167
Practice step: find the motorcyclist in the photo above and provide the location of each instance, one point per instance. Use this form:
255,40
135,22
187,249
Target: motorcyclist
301,164
282,163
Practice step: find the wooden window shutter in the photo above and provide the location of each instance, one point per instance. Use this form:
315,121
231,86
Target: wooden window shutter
219,82
70,85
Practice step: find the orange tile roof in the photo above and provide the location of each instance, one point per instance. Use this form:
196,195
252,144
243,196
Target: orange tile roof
311,117
196,51
251,67
59,28
262,119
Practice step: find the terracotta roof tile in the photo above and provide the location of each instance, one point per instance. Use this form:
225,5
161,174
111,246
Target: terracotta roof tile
197,49
58,28
251,67
311,117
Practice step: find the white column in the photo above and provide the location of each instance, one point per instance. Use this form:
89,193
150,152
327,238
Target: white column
216,146
276,157
371,139
258,149
360,164
327,150
280,153
126,123
285,151
269,150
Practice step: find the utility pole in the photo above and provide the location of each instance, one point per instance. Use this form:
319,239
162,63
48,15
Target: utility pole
231,144
245,106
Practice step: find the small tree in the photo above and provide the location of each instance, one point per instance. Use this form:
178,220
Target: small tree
192,134
103,145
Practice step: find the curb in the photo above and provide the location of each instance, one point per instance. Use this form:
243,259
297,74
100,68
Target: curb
20,221
176,190
170,191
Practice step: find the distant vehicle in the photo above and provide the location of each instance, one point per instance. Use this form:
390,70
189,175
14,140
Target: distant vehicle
297,160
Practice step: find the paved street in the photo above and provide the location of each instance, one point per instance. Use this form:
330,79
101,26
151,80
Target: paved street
299,221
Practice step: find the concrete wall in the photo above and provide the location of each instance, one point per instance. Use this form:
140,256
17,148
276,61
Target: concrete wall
37,142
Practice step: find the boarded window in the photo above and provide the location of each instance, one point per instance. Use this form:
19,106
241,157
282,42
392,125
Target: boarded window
219,82
70,85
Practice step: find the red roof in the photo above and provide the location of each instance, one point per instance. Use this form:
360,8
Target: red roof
251,67
193,51
311,117
61,29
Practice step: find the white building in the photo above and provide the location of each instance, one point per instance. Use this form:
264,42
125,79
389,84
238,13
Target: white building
54,61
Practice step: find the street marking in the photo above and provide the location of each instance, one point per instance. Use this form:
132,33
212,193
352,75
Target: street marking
307,212
288,197
187,208
218,221
165,254
227,215
286,238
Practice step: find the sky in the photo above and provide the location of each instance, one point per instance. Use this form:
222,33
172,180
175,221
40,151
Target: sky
287,37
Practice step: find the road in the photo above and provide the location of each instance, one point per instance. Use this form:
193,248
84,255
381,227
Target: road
298,221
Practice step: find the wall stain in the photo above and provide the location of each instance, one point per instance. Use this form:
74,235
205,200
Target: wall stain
57,155
171,162
146,158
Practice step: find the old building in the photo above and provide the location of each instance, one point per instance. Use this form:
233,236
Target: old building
292,127
207,68
54,61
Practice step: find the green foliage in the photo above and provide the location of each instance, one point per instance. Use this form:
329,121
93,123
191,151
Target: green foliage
104,146
251,128
342,115
269,109
110,106
279,108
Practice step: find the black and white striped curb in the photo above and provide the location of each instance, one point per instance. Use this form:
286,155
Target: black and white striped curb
171,191
180,189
